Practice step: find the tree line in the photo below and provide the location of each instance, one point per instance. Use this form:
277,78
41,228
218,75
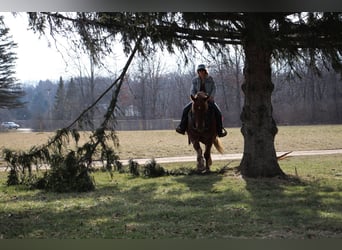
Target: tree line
150,93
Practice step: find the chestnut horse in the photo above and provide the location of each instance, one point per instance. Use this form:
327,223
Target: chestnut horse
202,128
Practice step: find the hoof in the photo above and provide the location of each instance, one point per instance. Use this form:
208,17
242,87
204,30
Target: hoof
203,171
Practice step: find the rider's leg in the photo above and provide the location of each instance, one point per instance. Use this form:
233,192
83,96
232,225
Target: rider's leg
184,121
219,126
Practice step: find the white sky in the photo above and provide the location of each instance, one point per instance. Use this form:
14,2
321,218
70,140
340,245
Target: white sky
37,61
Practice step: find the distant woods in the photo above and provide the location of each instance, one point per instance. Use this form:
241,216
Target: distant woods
152,92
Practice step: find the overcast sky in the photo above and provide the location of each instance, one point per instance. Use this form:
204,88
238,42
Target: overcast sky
39,61
36,60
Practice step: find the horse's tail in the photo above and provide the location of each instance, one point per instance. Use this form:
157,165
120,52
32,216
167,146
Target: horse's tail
218,145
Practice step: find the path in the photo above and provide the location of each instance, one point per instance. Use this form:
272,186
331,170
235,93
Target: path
218,157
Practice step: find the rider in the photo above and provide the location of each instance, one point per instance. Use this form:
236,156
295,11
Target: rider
203,82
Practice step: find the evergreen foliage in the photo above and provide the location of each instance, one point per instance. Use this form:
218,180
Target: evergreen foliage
67,174
58,109
10,89
71,100
70,168
153,169
133,167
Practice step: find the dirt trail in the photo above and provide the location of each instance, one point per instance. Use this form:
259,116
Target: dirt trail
216,157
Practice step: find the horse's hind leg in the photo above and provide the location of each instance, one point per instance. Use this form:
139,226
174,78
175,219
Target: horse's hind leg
200,160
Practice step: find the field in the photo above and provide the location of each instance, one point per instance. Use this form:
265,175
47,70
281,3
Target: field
216,206
165,143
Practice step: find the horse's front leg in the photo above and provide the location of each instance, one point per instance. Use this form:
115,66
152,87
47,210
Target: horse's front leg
207,157
200,160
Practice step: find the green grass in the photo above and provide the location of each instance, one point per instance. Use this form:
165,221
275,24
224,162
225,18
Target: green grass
214,206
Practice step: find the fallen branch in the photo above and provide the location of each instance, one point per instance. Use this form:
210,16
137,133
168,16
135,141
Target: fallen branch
65,163
283,156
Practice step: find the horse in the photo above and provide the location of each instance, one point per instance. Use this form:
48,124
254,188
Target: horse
202,128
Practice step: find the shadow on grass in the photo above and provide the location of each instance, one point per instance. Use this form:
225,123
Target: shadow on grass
292,208
180,207
214,206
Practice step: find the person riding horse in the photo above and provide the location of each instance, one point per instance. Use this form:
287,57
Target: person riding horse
205,83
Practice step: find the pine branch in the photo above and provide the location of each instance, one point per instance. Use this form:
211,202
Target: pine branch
81,158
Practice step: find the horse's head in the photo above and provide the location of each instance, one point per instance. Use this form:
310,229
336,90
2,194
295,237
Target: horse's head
199,109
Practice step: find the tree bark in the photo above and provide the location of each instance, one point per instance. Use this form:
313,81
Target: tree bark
258,126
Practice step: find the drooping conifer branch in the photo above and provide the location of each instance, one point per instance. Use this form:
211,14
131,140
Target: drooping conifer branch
56,155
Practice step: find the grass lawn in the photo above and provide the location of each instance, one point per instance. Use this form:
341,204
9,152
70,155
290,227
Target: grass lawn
214,206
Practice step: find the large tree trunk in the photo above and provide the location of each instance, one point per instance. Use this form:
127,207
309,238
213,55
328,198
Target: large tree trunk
258,126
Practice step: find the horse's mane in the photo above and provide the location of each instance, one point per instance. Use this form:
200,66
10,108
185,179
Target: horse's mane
201,95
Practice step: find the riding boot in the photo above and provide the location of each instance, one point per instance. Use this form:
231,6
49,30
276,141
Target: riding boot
184,120
221,132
